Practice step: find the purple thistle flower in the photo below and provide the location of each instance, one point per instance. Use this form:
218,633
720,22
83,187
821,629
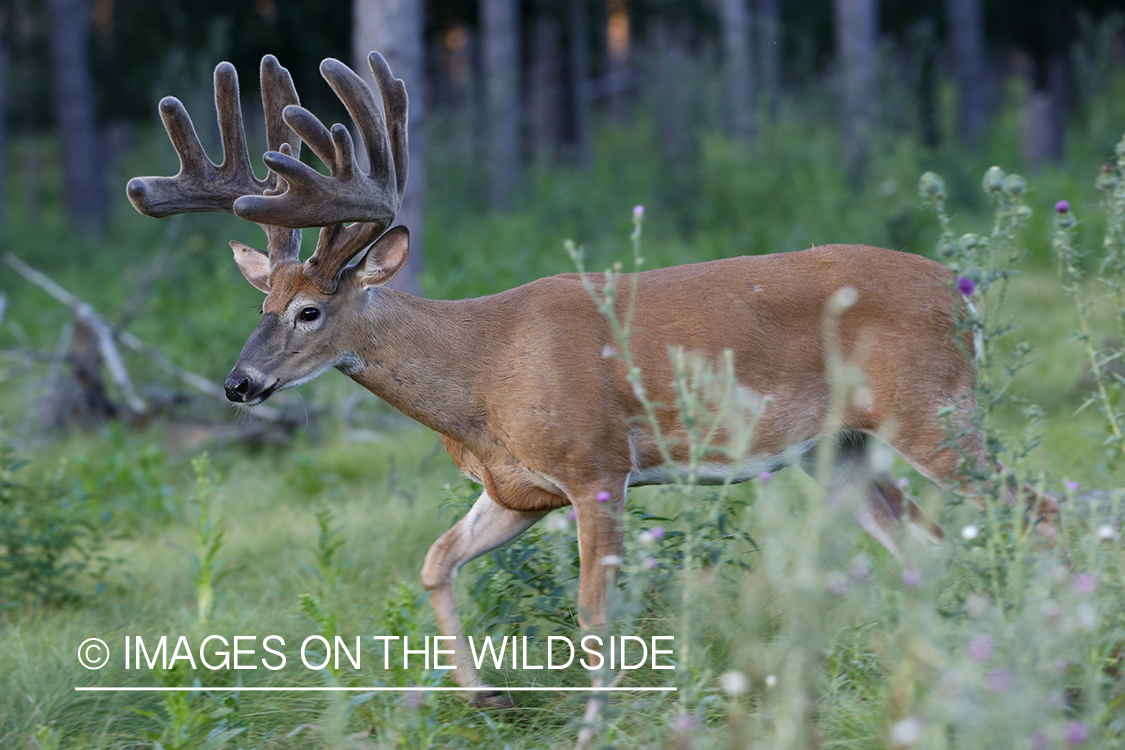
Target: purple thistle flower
765,476
980,648
657,532
837,583
912,577
860,568
650,563
1084,584
638,211
1000,680
1062,206
603,497
1076,733
683,723
571,515
966,286
1072,486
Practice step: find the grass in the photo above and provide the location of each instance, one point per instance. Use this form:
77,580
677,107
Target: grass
990,640
267,503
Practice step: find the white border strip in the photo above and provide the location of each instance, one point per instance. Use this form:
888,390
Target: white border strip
375,689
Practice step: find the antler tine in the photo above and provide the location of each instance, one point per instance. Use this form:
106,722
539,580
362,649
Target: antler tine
201,185
346,194
393,91
278,92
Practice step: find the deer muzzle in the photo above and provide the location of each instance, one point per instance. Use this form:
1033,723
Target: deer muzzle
252,380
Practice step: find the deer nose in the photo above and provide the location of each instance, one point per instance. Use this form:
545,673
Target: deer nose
237,388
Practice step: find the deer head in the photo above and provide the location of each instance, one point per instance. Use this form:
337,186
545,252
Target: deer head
294,342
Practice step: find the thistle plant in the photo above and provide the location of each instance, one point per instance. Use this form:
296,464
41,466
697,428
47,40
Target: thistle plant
1111,273
1111,276
191,719
207,569
621,326
982,267
718,417
319,608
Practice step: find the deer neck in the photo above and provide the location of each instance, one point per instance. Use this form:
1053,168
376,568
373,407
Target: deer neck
423,357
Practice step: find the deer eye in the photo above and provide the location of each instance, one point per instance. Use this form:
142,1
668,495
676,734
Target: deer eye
309,313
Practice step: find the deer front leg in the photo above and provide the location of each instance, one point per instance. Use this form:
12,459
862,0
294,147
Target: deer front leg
485,527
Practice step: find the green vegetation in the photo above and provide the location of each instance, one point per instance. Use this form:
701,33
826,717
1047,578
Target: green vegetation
794,629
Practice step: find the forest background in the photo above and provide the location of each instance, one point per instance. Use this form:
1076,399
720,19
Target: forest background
131,496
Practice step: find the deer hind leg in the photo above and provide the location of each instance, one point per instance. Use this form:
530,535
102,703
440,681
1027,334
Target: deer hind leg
485,527
952,469
881,508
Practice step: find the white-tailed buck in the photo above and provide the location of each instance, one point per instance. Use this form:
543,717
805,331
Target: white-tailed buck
518,384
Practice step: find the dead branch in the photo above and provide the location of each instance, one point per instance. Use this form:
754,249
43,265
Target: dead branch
185,376
87,316
84,312
65,337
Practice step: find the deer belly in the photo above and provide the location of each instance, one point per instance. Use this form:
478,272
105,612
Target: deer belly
716,472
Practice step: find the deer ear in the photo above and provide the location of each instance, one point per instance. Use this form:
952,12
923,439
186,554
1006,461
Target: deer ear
384,259
254,264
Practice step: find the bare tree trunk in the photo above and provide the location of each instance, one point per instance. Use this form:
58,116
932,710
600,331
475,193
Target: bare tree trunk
921,39
501,33
3,109
966,36
545,118
1059,81
1045,112
31,177
579,76
394,28
618,42
669,114
737,71
856,39
767,19
86,199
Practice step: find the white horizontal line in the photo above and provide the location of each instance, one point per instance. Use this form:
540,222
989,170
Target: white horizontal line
375,689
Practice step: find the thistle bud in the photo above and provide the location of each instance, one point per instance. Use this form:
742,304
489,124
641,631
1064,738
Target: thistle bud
1015,185
931,186
969,241
993,180
1023,213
